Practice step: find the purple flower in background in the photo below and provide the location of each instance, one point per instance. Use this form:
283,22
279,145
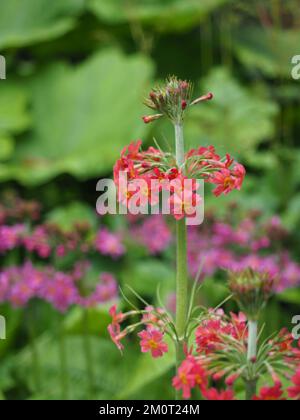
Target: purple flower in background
60,291
4,287
106,290
153,233
38,241
109,243
10,237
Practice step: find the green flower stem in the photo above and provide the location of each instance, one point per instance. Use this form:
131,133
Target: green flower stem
182,272
250,389
88,355
252,342
251,384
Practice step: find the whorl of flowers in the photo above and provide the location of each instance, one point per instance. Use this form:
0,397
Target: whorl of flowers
221,350
160,172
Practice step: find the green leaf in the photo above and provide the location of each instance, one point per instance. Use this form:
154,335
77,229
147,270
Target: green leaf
290,296
147,370
162,15
29,21
14,117
145,276
267,50
97,320
236,121
6,147
76,212
82,117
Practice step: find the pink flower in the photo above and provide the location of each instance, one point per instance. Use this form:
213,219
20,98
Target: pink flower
105,291
10,237
117,318
152,341
116,335
273,393
190,374
114,329
185,380
212,394
108,243
294,391
38,241
60,291
153,233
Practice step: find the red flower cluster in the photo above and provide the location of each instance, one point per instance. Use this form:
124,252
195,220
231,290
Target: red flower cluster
191,374
221,354
150,172
294,391
212,334
273,393
152,337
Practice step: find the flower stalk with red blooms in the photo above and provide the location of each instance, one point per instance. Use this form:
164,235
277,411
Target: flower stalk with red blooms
221,351
172,101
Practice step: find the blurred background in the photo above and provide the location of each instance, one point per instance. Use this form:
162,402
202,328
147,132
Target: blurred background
77,72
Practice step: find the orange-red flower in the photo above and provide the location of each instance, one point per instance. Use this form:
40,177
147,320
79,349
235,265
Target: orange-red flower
273,393
294,391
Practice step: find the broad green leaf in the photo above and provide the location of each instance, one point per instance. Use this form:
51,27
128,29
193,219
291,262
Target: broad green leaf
97,320
83,116
267,50
111,370
162,15
145,276
76,212
237,119
147,370
6,147
291,296
28,21
14,116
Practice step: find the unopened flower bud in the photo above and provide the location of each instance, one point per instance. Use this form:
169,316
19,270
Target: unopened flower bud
203,98
251,289
150,118
183,104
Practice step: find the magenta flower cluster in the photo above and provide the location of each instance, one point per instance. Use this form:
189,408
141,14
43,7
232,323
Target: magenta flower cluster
251,243
18,285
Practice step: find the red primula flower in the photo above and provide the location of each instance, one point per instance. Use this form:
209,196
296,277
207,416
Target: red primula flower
152,341
273,393
114,328
294,391
227,180
190,374
116,335
212,394
117,318
154,165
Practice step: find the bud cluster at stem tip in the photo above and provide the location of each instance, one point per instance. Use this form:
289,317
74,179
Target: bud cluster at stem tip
251,289
172,100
